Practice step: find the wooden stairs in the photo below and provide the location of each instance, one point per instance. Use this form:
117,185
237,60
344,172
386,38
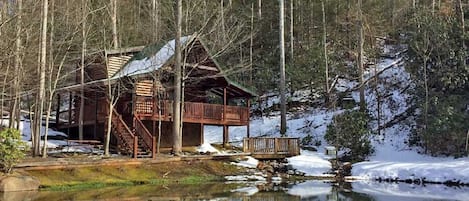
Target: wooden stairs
136,141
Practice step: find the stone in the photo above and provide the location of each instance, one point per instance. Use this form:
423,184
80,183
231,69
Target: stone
18,183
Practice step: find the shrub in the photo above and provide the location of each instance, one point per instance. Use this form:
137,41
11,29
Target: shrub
350,134
11,149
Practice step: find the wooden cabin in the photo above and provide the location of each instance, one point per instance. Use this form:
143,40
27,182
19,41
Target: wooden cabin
141,81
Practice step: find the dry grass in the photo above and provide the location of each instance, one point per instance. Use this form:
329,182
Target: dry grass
183,172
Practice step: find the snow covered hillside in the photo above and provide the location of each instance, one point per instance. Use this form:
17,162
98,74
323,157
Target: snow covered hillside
393,157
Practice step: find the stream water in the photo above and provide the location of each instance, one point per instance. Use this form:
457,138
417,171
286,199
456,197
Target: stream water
308,190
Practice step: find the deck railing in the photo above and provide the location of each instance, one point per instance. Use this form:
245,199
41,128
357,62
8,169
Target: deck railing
272,147
193,111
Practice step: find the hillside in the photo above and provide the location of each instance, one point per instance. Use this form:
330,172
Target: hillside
393,158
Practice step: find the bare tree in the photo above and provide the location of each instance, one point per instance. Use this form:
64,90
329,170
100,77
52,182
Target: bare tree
42,79
361,57
115,41
283,108
324,41
177,114
51,88
251,43
155,17
82,67
18,51
222,18
292,43
259,8
460,11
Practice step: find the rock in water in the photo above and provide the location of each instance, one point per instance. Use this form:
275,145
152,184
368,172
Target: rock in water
18,183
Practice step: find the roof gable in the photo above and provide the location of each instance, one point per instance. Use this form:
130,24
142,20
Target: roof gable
152,59
138,66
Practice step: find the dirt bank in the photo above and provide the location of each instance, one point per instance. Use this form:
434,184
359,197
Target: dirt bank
180,172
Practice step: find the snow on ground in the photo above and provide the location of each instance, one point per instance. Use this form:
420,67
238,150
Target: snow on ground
55,144
314,122
393,158
311,163
206,147
249,163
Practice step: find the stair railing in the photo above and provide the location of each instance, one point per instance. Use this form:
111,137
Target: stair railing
149,140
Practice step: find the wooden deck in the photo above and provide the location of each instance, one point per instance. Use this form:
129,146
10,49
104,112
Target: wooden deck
271,148
214,114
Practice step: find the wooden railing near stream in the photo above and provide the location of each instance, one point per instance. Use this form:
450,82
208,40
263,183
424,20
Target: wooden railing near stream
271,148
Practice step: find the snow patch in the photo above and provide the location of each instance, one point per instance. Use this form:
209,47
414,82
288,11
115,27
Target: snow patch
311,163
249,163
206,147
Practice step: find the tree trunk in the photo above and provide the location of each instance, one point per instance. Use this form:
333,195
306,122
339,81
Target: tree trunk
292,43
42,79
82,68
50,78
324,41
155,16
360,57
18,51
259,8
251,44
177,136
433,7
463,26
115,41
283,109
425,77
222,16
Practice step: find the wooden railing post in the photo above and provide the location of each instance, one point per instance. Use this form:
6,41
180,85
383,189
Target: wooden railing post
276,145
135,146
245,145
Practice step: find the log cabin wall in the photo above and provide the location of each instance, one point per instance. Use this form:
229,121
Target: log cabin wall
96,108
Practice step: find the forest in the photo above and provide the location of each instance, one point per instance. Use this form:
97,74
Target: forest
42,42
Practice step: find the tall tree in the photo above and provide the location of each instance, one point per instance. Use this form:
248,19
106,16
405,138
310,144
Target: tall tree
42,79
18,51
361,69
155,17
115,41
177,135
82,66
292,44
51,85
283,105
324,41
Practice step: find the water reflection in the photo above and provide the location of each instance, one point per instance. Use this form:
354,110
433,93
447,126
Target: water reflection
308,190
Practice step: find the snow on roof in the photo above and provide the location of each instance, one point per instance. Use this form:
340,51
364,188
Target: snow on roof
153,62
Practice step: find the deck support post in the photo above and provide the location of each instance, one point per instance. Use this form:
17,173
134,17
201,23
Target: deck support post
95,128
57,112
248,128
225,126
135,147
70,96
202,133
225,136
